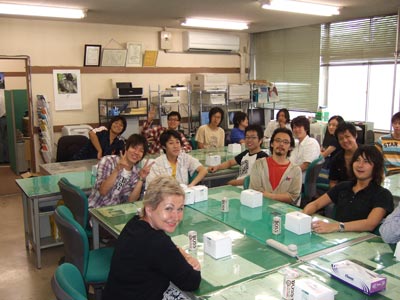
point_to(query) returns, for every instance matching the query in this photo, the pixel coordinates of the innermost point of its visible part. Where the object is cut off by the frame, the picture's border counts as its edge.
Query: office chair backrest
(67, 283)
(76, 243)
(310, 181)
(69, 145)
(75, 199)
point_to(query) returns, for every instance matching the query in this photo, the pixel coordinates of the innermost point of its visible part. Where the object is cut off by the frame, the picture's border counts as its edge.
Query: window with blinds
(359, 41)
(290, 58)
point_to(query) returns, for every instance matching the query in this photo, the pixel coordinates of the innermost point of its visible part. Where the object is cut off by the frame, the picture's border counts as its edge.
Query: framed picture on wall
(92, 55)
(113, 58)
(134, 56)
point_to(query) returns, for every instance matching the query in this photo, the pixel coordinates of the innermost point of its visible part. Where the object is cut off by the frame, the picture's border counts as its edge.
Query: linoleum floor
(19, 277)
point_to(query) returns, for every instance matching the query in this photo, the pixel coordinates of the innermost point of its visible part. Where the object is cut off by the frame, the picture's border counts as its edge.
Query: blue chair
(309, 191)
(67, 283)
(77, 202)
(94, 265)
(246, 182)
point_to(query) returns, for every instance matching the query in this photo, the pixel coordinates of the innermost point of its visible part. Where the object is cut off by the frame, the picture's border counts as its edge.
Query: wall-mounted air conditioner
(210, 41)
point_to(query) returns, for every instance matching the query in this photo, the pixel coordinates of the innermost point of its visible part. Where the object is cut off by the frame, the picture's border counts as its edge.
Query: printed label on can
(288, 287)
(225, 204)
(276, 225)
(192, 240)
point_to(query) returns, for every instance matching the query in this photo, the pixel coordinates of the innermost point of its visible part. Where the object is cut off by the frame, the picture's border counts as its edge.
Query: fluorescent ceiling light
(217, 24)
(301, 7)
(41, 11)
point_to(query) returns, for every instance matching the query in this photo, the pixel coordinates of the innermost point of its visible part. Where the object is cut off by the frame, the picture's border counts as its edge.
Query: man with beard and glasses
(276, 176)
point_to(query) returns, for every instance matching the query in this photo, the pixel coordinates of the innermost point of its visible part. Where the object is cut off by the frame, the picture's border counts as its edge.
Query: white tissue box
(308, 289)
(217, 244)
(213, 160)
(251, 198)
(234, 148)
(189, 196)
(359, 277)
(200, 193)
(298, 222)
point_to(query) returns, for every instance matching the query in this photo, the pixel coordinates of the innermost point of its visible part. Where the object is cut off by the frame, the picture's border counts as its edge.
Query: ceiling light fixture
(301, 7)
(41, 11)
(216, 24)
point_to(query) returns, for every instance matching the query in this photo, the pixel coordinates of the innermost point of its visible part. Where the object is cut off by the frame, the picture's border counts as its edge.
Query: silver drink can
(288, 286)
(192, 240)
(276, 225)
(225, 204)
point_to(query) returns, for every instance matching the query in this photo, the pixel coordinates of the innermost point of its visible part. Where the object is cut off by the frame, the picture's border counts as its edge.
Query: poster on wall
(67, 89)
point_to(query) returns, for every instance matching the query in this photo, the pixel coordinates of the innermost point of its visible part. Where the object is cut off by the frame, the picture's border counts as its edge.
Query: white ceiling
(167, 13)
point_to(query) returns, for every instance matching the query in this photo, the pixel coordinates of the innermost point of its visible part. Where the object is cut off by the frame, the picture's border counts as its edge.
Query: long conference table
(40, 194)
(254, 269)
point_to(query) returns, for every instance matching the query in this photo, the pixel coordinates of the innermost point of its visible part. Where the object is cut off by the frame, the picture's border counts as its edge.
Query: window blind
(359, 41)
(290, 58)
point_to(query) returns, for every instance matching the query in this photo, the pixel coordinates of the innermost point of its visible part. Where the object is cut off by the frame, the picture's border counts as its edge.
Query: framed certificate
(113, 58)
(92, 56)
(134, 56)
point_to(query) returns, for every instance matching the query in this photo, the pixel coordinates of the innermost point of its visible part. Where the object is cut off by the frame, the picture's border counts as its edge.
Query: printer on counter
(125, 89)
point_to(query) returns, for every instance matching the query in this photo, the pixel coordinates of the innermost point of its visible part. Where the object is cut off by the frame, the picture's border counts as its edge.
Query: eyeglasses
(173, 119)
(251, 137)
(279, 141)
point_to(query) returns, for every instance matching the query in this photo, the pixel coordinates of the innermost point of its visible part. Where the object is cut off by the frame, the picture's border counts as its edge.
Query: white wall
(61, 44)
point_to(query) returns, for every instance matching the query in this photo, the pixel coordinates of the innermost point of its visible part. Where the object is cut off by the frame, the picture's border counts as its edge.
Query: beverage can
(225, 204)
(289, 281)
(276, 225)
(192, 240)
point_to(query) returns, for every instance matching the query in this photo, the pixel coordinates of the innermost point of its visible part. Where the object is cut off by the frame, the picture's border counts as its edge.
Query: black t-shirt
(144, 262)
(338, 170)
(352, 206)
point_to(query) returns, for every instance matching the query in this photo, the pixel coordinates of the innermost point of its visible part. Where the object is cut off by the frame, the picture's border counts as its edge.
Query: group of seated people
(356, 173)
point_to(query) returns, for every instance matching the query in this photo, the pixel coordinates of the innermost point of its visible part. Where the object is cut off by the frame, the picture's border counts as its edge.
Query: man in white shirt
(308, 148)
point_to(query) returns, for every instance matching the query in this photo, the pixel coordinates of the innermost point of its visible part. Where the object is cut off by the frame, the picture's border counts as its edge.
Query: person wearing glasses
(276, 176)
(153, 133)
(246, 159)
(211, 135)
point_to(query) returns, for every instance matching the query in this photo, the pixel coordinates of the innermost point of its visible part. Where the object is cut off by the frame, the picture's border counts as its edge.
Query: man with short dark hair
(389, 145)
(276, 176)
(308, 148)
(152, 134)
(246, 159)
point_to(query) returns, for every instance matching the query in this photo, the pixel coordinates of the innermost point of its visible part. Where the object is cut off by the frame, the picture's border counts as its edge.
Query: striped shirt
(390, 147)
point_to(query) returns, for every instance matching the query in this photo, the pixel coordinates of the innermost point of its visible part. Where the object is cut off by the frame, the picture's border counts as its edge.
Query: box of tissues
(217, 244)
(200, 193)
(234, 148)
(251, 198)
(361, 278)
(298, 222)
(309, 289)
(189, 196)
(213, 160)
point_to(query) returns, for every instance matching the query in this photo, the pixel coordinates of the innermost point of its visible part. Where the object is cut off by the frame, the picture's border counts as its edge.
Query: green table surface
(47, 185)
(257, 222)
(270, 286)
(249, 257)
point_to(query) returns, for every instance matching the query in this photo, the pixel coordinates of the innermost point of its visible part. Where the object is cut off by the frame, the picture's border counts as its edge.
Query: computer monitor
(204, 119)
(231, 114)
(256, 116)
